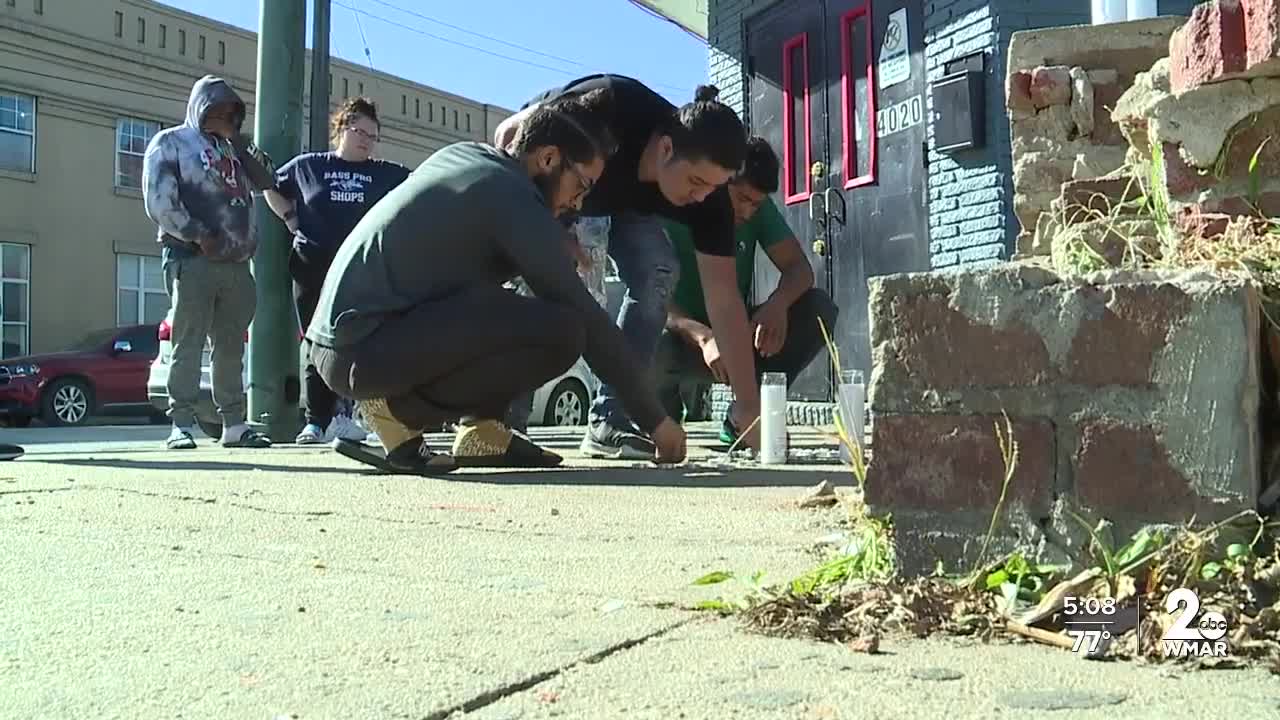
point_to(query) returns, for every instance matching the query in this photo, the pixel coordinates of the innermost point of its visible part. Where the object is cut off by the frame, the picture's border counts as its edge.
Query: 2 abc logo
(1189, 635)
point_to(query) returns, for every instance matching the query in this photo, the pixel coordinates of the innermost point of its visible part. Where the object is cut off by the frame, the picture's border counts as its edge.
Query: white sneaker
(346, 428)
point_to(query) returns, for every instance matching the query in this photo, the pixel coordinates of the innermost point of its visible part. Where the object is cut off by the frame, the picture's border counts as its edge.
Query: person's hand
(669, 442)
(711, 357)
(742, 418)
(770, 327)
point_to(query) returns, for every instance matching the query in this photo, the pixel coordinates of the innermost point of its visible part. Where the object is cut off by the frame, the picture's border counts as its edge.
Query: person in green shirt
(784, 327)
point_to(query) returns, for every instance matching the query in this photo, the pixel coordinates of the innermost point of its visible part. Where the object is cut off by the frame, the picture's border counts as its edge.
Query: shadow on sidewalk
(197, 465)
(676, 477)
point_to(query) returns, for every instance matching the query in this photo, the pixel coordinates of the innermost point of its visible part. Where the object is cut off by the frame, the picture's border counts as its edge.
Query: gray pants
(213, 301)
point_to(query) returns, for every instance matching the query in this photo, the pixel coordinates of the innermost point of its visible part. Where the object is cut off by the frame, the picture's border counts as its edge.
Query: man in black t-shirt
(672, 163)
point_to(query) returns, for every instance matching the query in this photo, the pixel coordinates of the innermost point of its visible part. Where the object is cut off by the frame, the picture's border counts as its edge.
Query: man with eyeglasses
(674, 164)
(415, 324)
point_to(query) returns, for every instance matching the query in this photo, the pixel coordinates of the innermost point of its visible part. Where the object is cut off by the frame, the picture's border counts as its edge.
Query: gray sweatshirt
(197, 186)
(469, 215)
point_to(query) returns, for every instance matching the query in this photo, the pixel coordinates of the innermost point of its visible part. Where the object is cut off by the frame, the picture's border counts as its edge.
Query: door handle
(827, 195)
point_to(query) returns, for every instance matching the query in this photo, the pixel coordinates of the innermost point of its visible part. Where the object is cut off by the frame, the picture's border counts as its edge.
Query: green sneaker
(728, 433)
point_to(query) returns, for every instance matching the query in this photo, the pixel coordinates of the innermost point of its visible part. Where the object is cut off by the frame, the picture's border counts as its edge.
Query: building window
(200, 49)
(15, 299)
(132, 137)
(795, 120)
(12, 3)
(431, 112)
(330, 83)
(119, 22)
(38, 6)
(417, 108)
(404, 104)
(360, 86)
(346, 89)
(163, 33)
(222, 53)
(182, 42)
(455, 119)
(858, 97)
(142, 31)
(140, 295)
(468, 122)
(17, 132)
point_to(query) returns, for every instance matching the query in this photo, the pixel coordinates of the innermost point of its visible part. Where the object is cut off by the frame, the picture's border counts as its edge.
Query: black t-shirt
(332, 195)
(637, 113)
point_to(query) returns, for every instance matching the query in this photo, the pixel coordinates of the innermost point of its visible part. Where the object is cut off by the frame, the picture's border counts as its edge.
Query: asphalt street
(290, 583)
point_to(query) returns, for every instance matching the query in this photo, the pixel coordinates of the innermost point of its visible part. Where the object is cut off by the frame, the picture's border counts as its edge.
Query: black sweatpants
(308, 277)
(678, 363)
(468, 355)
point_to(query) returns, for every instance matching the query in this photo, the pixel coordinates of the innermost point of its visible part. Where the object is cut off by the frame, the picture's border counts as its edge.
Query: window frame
(138, 270)
(32, 133)
(791, 195)
(25, 324)
(115, 182)
(849, 151)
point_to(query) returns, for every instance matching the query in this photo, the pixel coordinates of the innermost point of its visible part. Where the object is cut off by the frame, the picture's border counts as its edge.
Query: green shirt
(765, 229)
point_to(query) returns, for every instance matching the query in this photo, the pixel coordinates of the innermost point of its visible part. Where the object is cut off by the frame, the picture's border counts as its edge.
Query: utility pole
(319, 76)
(273, 336)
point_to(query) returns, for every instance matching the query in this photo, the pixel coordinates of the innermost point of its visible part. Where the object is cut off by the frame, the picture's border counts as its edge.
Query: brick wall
(725, 35)
(967, 199)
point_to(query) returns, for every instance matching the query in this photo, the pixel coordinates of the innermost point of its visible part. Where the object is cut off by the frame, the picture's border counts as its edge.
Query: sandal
(249, 439)
(181, 441)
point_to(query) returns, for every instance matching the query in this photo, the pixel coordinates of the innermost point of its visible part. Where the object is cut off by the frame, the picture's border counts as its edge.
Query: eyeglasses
(362, 133)
(583, 182)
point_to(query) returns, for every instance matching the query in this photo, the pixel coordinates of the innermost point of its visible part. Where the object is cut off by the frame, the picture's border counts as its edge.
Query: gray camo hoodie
(197, 186)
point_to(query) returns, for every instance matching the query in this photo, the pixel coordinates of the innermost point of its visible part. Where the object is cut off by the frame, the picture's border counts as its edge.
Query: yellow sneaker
(489, 443)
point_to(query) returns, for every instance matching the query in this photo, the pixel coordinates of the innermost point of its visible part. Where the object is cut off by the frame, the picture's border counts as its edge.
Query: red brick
(1084, 200)
(1209, 47)
(1262, 37)
(1181, 178)
(1018, 95)
(1265, 205)
(1124, 328)
(1201, 224)
(949, 463)
(1107, 90)
(1050, 86)
(1125, 468)
(939, 347)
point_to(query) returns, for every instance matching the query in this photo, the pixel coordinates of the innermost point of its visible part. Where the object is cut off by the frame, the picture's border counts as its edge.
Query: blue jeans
(648, 267)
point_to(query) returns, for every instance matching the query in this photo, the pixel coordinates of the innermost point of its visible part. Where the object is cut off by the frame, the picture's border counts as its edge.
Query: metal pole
(319, 76)
(273, 336)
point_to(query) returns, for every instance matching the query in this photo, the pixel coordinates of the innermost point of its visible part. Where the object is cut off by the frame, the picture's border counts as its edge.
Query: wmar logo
(1189, 636)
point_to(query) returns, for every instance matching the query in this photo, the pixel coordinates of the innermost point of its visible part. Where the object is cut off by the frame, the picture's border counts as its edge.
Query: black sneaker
(10, 452)
(605, 442)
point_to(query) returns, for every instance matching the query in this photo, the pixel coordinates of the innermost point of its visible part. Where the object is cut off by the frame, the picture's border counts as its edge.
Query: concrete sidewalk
(137, 582)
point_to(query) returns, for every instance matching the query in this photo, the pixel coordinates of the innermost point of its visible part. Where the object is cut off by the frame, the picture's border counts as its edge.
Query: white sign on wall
(894, 65)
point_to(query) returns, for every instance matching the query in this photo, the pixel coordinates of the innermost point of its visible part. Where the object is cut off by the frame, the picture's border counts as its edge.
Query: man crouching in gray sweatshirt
(413, 320)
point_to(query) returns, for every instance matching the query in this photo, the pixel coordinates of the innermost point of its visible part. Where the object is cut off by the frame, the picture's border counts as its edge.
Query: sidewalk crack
(492, 696)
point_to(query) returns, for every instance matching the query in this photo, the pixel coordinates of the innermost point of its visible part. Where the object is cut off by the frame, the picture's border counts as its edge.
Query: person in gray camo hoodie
(198, 181)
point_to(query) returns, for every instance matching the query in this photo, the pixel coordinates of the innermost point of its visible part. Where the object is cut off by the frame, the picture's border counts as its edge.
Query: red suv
(106, 370)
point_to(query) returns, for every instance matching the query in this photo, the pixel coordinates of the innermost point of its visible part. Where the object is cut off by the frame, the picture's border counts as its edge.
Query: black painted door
(786, 66)
(860, 207)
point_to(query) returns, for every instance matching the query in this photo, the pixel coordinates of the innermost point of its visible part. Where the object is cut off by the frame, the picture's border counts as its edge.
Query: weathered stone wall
(1132, 397)
(1061, 87)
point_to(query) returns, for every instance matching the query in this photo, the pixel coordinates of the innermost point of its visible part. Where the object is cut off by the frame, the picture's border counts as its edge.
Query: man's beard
(547, 184)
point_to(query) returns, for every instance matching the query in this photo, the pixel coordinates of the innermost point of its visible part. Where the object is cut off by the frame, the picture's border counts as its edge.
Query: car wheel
(66, 402)
(210, 428)
(567, 405)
